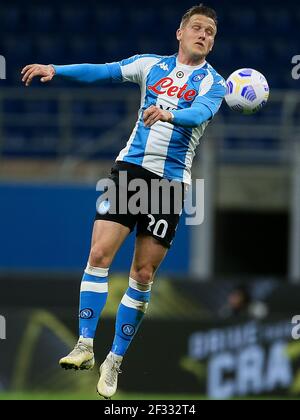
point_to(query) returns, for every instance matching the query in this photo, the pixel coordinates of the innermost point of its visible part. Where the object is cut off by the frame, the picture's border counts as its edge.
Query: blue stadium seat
(108, 23)
(276, 20)
(75, 19)
(14, 106)
(252, 53)
(11, 18)
(25, 142)
(42, 18)
(82, 50)
(224, 50)
(41, 107)
(49, 49)
(244, 19)
(64, 32)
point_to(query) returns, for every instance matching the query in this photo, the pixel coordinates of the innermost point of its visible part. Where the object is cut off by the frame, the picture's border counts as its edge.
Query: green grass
(119, 396)
(72, 397)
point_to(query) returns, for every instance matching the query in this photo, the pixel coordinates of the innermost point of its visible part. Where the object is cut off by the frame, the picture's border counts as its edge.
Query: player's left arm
(203, 109)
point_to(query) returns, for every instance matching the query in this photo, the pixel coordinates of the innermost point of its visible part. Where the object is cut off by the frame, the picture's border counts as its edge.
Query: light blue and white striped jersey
(166, 149)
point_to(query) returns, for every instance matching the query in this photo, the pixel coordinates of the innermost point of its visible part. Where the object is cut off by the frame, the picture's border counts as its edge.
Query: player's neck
(182, 58)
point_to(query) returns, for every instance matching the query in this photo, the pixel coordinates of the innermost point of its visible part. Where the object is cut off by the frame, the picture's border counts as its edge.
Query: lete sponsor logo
(166, 86)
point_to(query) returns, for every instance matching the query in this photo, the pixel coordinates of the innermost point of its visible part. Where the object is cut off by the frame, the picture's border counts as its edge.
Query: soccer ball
(247, 91)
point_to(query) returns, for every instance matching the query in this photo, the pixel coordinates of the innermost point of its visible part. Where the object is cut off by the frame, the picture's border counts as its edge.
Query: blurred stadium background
(219, 325)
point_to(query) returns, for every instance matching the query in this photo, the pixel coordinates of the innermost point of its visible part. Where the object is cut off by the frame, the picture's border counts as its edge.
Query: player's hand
(37, 70)
(154, 114)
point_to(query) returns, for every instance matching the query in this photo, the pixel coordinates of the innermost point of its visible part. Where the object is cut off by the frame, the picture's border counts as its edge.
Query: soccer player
(180, 94)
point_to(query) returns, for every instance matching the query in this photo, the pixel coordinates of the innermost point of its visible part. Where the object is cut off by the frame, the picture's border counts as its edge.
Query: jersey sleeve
(192, 117)
(132, 69)
(212, 93)
(85, 73)
(206, 104)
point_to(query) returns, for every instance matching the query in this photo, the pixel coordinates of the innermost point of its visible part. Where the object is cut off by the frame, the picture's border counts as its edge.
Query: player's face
(197, 36)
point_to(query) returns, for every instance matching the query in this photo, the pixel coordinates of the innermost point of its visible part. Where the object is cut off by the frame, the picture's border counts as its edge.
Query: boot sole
(89, 365)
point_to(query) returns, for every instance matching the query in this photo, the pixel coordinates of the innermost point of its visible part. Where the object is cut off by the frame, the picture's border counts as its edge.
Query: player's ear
(179, 34)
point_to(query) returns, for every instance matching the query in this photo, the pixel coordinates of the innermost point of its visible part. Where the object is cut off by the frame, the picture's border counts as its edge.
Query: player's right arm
(37, 70)
(128, 70)
(86, 73)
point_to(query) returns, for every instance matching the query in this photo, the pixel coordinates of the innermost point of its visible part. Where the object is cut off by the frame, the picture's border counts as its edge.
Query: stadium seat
(42, 18)
(62, 32)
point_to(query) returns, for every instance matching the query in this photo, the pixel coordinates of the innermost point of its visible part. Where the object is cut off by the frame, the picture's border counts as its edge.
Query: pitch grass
(86, 397)
(119, 397)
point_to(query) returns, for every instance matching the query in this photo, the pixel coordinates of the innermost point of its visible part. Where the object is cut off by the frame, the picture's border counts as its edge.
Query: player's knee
(143, 274)
(99, 257)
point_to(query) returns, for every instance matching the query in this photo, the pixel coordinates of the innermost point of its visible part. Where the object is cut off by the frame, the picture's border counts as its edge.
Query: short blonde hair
(199, 10)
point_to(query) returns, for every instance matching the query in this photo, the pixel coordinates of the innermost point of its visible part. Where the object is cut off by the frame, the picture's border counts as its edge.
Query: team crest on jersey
(104, 207)
(198, 77)
(163, 66)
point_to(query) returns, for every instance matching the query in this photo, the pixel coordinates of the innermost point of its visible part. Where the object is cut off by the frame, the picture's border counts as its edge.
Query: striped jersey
(165, 149)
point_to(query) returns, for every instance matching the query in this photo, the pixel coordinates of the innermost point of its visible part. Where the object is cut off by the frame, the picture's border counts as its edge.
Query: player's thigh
(164, 213)
(106, 240)
(148, 255)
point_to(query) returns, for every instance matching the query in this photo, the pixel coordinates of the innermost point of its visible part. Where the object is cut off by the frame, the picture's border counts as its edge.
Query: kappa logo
(163, 66)
(223, 83)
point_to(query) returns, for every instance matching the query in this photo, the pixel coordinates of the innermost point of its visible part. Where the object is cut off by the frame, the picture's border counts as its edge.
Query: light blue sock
(130, 315)
(93, 296)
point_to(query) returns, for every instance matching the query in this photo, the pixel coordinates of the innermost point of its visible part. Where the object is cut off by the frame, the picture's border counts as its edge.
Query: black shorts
(154, 210)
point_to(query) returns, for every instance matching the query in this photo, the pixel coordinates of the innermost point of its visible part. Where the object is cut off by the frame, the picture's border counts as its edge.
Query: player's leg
(107, 238)
(149, 254)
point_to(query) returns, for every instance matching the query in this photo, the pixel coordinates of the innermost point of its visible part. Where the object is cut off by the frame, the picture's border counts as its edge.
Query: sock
(130, 315)
(93, 296)
(115, 357)
(87, 341)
